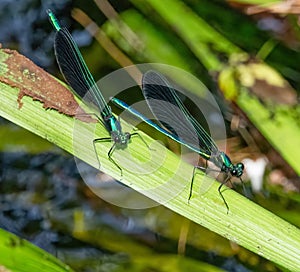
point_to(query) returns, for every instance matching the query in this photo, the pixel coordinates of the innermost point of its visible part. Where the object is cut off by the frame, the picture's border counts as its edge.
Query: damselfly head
(237, 170)
(121, 139)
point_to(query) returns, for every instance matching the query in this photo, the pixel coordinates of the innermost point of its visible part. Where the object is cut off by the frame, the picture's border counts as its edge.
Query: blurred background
(226, 44)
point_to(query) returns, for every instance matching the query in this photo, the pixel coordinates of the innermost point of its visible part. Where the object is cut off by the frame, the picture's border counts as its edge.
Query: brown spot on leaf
(33, 81)
(283, 95)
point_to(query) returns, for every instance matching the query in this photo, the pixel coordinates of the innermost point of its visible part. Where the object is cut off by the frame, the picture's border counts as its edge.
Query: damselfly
(181, 126)
(78, 76)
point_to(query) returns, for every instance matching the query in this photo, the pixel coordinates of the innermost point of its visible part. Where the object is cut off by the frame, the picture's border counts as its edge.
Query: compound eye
(240, 166)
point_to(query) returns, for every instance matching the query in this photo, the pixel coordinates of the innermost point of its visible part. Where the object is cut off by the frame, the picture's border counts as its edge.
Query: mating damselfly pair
(155, 87)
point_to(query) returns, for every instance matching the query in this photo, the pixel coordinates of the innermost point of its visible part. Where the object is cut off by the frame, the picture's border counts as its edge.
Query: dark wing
(167, 107)
(76, 72)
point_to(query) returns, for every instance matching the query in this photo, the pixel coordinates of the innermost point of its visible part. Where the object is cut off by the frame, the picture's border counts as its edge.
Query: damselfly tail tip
(53, 19)
(49, 12)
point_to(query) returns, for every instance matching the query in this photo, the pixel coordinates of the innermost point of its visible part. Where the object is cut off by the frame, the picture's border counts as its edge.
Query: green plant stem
(19, 255)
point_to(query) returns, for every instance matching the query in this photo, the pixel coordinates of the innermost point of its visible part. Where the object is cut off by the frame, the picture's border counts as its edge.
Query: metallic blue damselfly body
(178, 124)
(78, 76)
